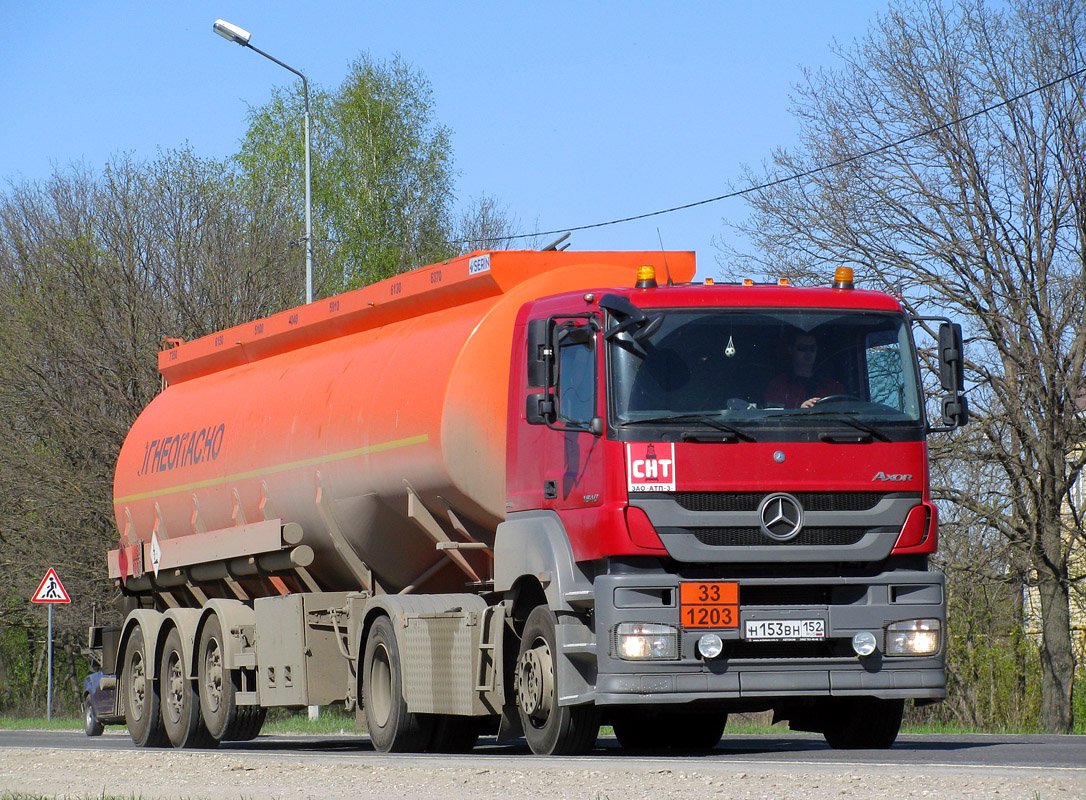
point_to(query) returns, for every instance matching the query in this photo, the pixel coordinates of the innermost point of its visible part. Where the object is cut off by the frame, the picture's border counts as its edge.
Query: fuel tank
(365, 419)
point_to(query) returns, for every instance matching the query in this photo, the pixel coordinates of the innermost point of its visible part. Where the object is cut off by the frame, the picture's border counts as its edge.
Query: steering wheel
(837, 398)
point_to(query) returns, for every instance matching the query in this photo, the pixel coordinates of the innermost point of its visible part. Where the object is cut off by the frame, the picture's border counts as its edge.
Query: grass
(38, 724)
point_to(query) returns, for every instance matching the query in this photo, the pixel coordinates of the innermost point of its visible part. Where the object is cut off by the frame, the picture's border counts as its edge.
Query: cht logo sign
(650, 466)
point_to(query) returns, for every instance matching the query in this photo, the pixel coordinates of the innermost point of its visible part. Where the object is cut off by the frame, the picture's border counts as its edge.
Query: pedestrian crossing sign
(51, 590)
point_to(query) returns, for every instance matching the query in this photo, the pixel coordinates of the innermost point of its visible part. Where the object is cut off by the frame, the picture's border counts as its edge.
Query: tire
(91, 725)
(862, 723)
(550, 728)
(217, 689)
(672, 731)
(392, 728)
(179, 699)
(141, 701)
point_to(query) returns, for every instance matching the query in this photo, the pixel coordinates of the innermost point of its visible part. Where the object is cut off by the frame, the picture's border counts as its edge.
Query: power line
(759, 187)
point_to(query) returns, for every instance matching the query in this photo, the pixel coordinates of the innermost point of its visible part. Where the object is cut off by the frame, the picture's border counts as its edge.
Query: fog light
(864, 643)
(644, 641)
(913, 637)
(710, 646)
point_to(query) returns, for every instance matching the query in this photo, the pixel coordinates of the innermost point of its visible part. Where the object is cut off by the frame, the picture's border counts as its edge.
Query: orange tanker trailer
(454, 500)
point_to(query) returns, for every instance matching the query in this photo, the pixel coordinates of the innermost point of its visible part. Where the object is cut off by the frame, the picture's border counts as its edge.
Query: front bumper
(749, 670)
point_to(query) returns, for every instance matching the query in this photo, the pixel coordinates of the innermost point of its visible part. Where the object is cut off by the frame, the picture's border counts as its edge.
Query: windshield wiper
(847, 417)
(711, 420)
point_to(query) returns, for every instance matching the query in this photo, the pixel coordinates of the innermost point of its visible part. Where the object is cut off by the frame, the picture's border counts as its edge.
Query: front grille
(754, 537)
(749, 501)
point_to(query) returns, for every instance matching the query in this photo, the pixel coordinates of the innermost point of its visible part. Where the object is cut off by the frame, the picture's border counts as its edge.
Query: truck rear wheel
(551, 729)
(217, 690)
(668, 730)
(862, 723)
(180, 700)
(141, 700)
(392, 728)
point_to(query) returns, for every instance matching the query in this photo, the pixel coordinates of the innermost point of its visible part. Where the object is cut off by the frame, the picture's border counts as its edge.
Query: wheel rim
(175, 688)
(379, 697)
(136, 684)
(535, 683)
(213, 677)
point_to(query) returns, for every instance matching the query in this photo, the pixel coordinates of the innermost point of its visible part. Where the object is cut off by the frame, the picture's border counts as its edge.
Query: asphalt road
(983, 754)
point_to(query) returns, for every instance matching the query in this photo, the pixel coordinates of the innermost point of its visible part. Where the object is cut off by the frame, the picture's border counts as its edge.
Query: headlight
(913, 637)
(644, 641)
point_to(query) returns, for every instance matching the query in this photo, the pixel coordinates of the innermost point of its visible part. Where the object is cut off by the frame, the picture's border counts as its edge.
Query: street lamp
(241, 36)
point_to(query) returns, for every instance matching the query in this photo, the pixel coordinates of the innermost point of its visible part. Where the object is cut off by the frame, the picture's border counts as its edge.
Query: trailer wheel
(862, 723)
(91, 725)
(392, 728)
(141, 700)
(218, 686)
(668, 730)
(180, 700)
(551, 729)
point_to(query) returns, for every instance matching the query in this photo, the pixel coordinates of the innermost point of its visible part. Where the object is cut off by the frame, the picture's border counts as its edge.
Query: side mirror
(955, 410)
(951, 368)
(539, 352)
(951, 357)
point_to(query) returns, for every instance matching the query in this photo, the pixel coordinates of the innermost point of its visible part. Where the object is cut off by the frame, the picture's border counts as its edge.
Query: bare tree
(95, 269)
(984, 218)
(485, 225)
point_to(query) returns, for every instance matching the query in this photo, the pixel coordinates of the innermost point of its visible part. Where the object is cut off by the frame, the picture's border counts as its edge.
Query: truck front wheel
(551, 729)
(862, 723)
(392, 728)
(141, 701)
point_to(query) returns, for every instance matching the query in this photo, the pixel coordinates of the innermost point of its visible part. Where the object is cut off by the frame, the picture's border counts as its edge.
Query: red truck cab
(731, 550)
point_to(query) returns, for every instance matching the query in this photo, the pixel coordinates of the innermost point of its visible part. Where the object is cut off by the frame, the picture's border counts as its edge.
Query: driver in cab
(799, 386)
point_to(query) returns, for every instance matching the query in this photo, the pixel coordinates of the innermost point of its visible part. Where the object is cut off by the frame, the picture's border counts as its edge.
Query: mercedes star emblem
(782, 517)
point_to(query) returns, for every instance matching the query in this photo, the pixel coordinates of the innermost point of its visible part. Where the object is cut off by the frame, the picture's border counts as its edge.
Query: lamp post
(241, 36)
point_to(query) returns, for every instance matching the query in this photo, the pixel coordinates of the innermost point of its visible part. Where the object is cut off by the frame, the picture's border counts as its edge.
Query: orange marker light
(842, 278)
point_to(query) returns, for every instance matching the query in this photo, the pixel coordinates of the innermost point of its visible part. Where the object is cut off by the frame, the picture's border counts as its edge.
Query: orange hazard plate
(711, 604)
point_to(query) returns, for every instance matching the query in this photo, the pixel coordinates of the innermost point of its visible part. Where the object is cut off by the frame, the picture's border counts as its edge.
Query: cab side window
(577, 382)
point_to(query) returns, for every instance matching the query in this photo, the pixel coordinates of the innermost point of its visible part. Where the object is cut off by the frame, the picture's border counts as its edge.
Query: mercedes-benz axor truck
(525, 494)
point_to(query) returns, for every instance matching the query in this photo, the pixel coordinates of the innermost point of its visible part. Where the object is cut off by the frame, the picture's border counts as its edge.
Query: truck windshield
(788, 366)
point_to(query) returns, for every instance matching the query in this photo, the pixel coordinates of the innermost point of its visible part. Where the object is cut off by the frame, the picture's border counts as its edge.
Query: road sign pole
(50, 591)
(49, 691)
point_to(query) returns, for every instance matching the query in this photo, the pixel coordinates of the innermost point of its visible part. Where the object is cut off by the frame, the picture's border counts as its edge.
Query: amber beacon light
(842, 278)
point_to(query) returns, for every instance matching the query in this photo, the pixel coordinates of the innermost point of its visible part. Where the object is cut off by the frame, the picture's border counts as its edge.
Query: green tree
(985, 219)
(382, 172)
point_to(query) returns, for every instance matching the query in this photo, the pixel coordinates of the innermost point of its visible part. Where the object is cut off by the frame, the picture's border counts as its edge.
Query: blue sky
(569, 113)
